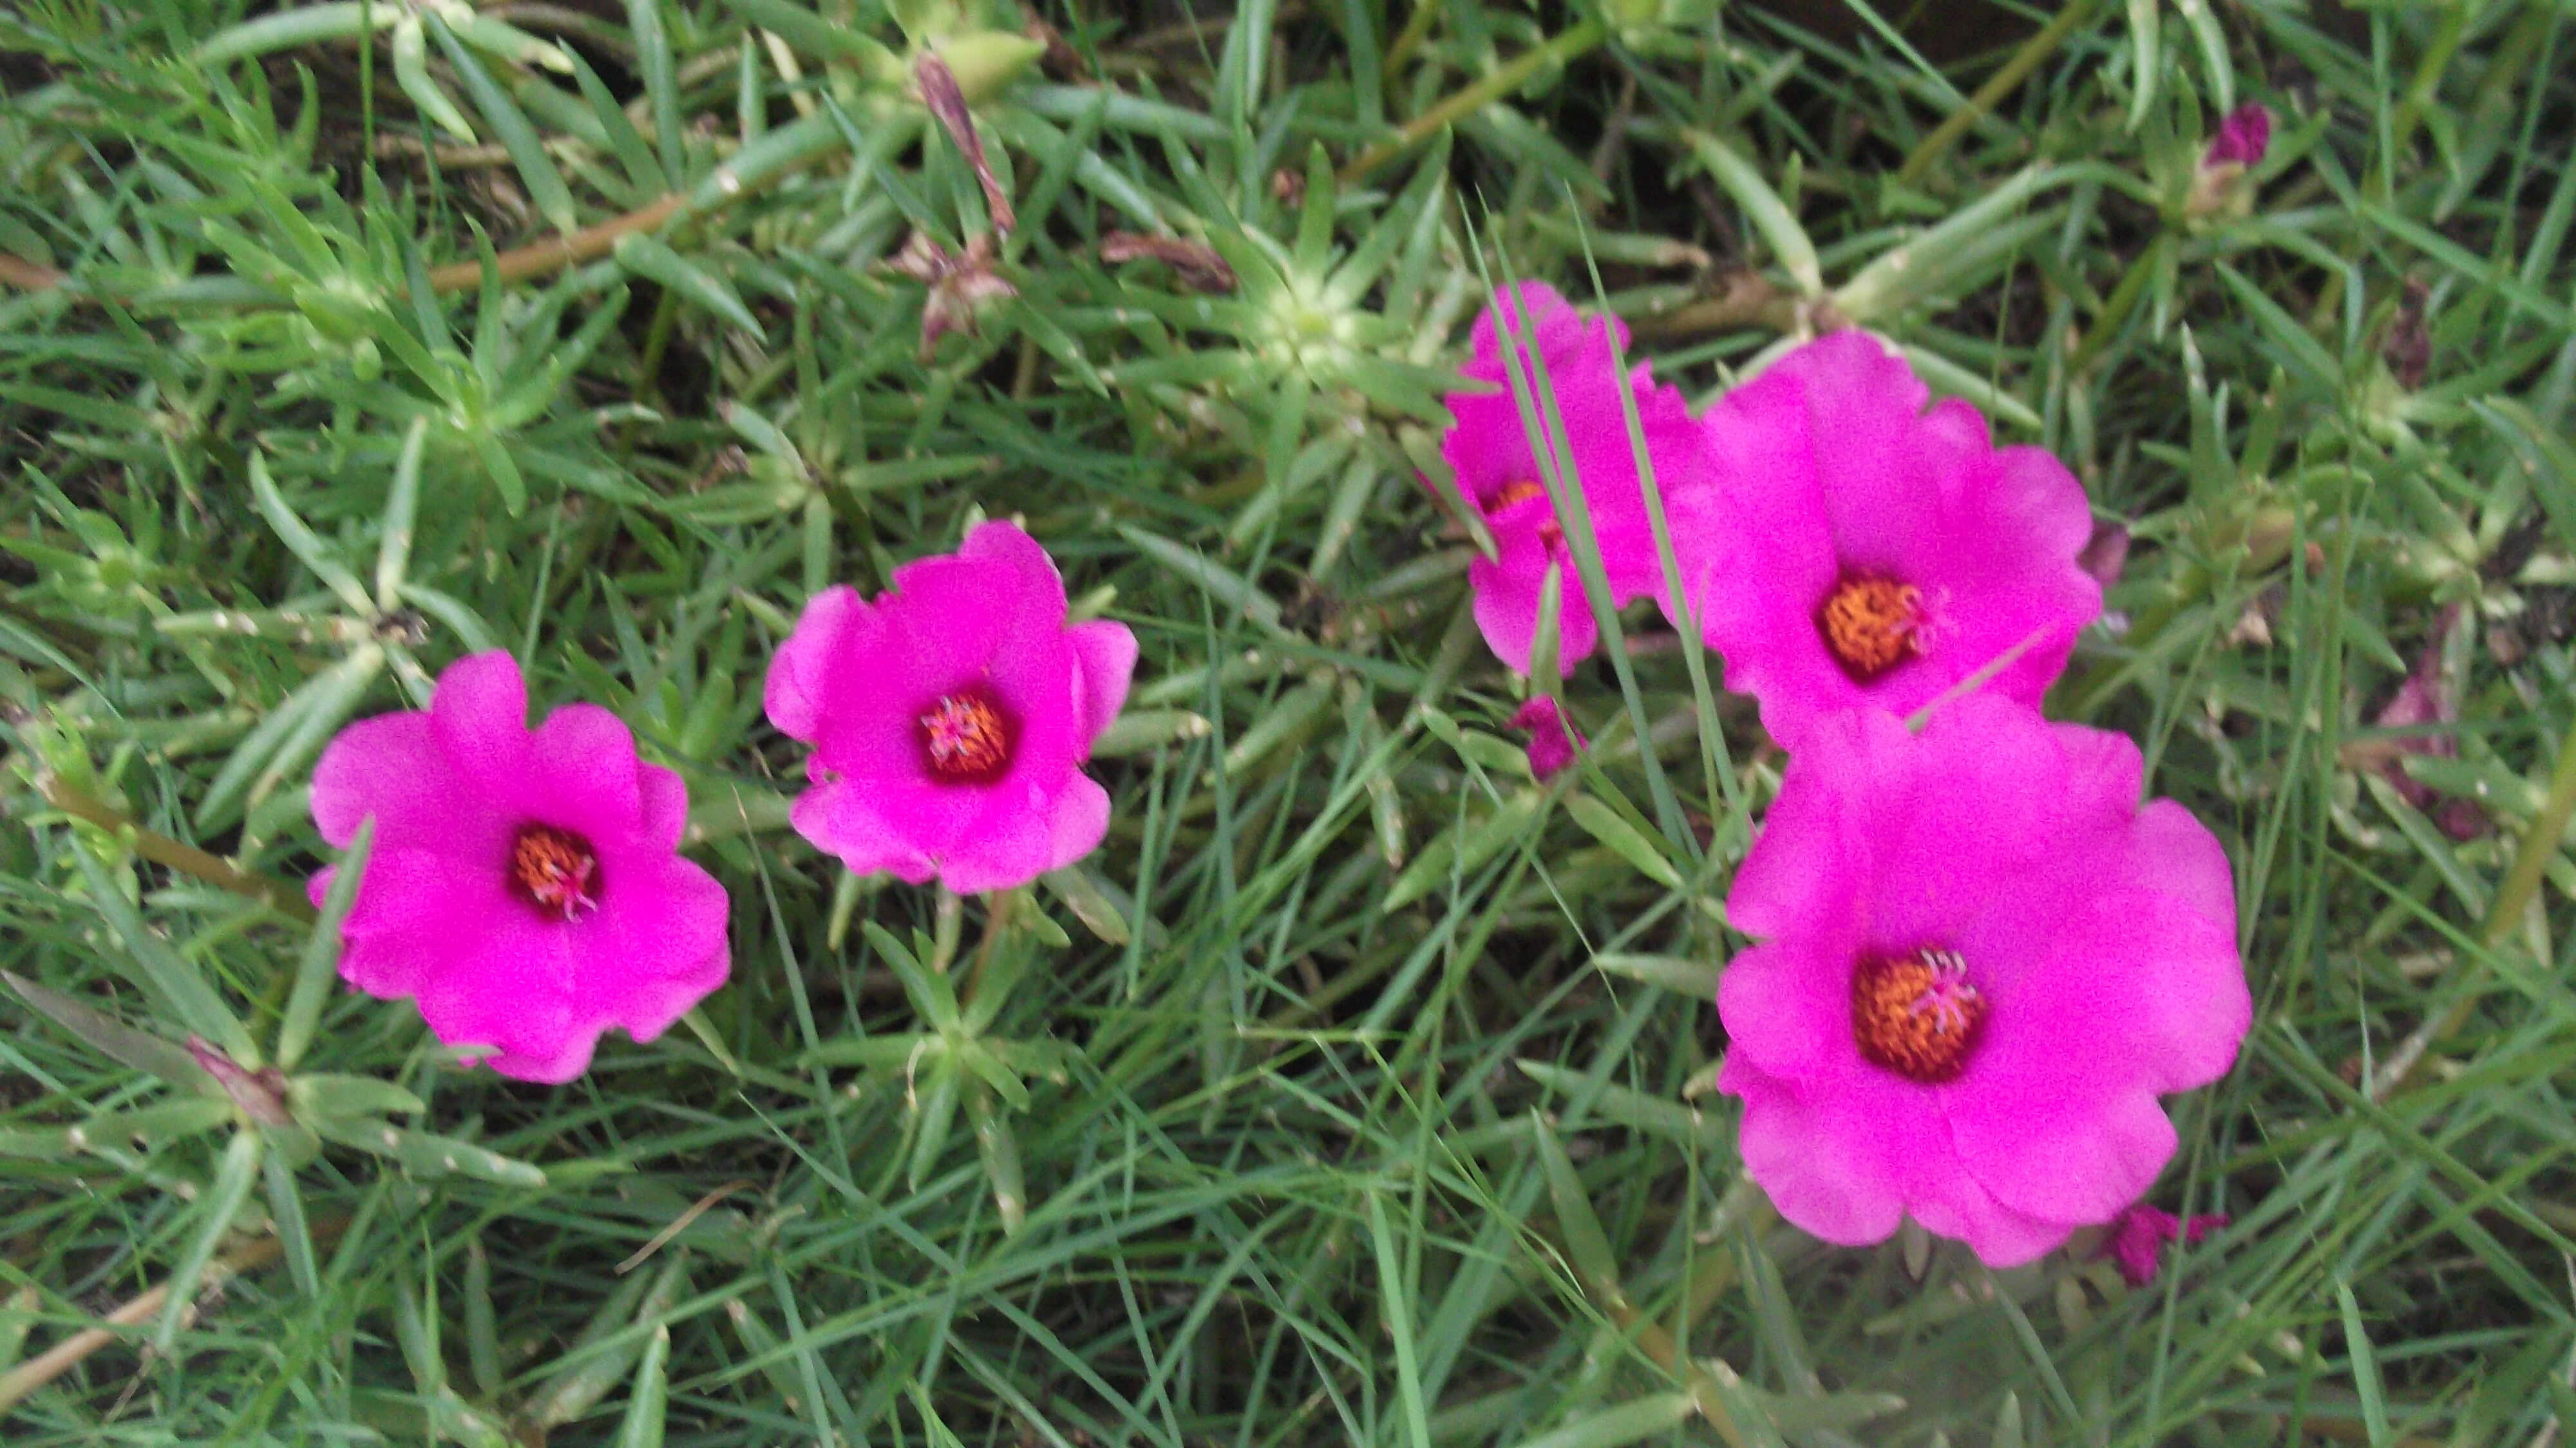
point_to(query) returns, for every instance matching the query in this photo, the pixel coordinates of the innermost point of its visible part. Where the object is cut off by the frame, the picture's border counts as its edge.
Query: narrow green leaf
(1763, 207)
(301, 541)
(411, 72)
(643, 1423)
(1693, 978)
(1587, 1247)
(649, 258)
(121, 1043)
(511, 126)
(1624, 839)
(2366, 1383)
(1614, 1427)
(318, 966)
(216, 1211)
(170, 978)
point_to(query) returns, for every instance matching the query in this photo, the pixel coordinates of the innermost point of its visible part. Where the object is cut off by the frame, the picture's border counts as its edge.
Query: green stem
(1999, 85)
(160, 849)
(2123, 300)
(1574, 42)
(2539, 843)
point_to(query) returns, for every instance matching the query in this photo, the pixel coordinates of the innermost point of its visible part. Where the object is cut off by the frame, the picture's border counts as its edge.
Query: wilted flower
(1860, 551)
(2217, 183)
(1488, 449)
(524, 885)
(951, 717)
(2137, 1239)
(1554, 743)
(2425, 697)
(1195, 263)
(961, 284)
(1981, 963)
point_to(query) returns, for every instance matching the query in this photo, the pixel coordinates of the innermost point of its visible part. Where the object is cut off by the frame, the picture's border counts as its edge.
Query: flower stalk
(162, 850)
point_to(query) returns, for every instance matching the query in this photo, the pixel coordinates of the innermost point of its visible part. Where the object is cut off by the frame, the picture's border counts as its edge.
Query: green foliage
(1359, 1089)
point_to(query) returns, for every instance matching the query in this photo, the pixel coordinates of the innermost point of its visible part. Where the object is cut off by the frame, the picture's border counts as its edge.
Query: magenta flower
(2218, 183)
(2138, 1237)
(1860, 551)
(1554, 743)
(1488, 448)
(950, 718)
(524, 885)
(1981, 963)
(2241, 140)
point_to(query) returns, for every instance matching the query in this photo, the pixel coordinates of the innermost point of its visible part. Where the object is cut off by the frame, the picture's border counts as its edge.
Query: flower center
(555, 870)
(1512, 494)
(1871, 623)
(1916, 1015)
(967, 737)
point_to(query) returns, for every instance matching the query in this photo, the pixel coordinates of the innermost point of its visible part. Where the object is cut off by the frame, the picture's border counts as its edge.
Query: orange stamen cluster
(555, 870)
(967, 738)
(1512, 494)
(1871, 624)
(1916, 1015)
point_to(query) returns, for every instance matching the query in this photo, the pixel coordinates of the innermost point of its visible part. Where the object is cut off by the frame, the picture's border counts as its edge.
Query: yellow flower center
(555, 870)
(967, 738)
(1871, 624)
(1916, 1015)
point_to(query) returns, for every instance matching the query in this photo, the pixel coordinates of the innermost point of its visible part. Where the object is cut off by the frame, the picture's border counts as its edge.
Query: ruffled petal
(512, 989)
(583, 773)
(663, 800)
(803, 685)
(1104, 656)
(654, 952)
(838, 818)
(479, 714)
(391, 767)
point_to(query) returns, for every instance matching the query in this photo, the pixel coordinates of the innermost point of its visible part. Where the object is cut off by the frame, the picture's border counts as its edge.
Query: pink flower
(1554, 743)
(1860, 551)
(2138, 1237)
(1498, 475)
(1982, 962)
(2218, 184)
(950, 718)
(2241, 140)
(524, 884)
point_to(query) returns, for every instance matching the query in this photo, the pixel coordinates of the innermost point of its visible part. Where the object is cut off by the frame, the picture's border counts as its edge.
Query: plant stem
(160, 849)
(1999, 85)
(27, 275)
(2123, 300)
(2504, 916)
(24, 1379)
(1565, 47)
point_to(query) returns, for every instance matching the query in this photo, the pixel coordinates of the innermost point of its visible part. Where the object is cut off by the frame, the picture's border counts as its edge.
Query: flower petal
(391, 767)
(1104, 656)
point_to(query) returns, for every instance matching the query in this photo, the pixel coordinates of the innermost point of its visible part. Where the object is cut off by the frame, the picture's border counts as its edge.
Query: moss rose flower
(1982, 962)
(1488, 450)
(951, 717)
(1859, 550)
(524, 884)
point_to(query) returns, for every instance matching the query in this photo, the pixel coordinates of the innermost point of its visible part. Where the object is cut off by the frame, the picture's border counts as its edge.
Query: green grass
(1354, 1099)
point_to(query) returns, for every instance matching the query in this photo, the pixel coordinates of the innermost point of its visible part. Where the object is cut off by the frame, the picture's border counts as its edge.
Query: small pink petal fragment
(1554, 742)
(2138, 1238)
